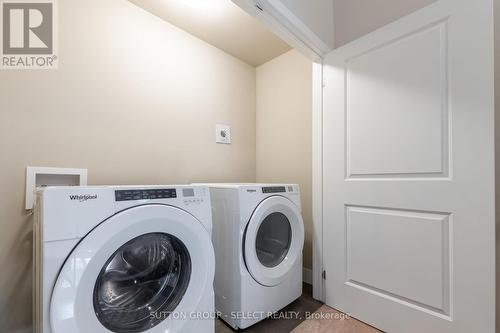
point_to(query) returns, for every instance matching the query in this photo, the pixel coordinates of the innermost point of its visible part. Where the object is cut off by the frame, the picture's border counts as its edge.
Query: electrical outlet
(222, 134)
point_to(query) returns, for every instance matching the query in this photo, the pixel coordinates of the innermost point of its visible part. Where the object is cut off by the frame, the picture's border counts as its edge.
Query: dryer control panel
(146, 194)
(274, 189)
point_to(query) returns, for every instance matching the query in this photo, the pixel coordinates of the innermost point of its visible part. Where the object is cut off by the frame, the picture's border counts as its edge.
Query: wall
(284, 129)
(135, 101)
(355, 18)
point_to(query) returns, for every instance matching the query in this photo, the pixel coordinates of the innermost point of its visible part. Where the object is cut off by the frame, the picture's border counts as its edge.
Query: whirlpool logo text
(83, 198)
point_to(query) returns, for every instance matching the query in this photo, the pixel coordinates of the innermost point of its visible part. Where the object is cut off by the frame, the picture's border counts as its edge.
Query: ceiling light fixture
(202, 4)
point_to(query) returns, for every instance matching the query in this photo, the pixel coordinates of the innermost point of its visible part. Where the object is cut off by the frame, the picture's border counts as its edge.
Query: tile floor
(325, 319)
(328, 320)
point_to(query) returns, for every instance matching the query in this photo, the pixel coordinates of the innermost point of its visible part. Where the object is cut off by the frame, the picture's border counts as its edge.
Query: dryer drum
(142, 283)
(273, 239)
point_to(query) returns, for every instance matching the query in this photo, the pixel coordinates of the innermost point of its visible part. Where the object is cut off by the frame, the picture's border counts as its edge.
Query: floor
(328, 320)
(307, 316)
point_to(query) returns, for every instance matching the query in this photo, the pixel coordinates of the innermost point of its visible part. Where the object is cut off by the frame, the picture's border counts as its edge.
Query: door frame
(317, 182)
(289, 28)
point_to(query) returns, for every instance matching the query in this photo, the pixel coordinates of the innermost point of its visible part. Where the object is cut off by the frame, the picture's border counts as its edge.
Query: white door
(409, 236)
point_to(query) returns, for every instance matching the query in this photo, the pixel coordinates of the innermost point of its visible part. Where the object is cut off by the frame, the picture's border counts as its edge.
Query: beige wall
(135, 101)
(284, 129)
(355, 18)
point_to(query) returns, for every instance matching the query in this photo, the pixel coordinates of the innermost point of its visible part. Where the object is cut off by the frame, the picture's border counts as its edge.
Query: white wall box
(43, 176)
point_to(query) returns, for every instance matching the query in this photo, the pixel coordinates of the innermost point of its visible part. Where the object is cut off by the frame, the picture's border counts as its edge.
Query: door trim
(284, 30)
(317, 182)
(286, 26)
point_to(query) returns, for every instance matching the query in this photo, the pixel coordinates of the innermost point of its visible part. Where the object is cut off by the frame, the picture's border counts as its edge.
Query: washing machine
(258, 237)
(123, 259)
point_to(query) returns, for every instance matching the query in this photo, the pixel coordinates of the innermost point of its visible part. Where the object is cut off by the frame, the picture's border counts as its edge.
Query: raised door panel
(397, 107)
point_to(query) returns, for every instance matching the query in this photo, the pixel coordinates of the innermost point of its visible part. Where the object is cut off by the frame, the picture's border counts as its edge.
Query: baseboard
(307, 275)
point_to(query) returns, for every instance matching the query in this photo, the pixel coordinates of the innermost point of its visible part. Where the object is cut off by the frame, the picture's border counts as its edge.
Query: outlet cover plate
(222, 134)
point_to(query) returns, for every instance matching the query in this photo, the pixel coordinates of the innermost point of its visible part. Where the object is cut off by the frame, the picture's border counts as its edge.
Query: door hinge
(323, 84)
(323, 275)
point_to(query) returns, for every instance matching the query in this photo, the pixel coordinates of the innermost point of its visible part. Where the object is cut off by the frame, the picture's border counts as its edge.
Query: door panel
(397, 107)
(408, 172)
(385, 255)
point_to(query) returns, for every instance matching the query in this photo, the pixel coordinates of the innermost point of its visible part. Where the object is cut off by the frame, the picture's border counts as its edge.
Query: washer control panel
(190, 198)
(146, 194)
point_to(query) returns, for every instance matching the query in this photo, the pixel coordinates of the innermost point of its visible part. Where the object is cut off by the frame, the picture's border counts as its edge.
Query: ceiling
(222, 24)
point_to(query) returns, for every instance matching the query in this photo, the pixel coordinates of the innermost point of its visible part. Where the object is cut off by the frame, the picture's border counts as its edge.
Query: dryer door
(143, 270)
(274, 240)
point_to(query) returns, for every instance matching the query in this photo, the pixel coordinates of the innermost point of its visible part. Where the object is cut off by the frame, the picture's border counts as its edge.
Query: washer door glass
(273, 239)
(142, 282)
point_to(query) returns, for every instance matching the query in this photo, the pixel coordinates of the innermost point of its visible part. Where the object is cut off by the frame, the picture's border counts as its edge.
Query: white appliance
(123, 259)
(258, 236)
